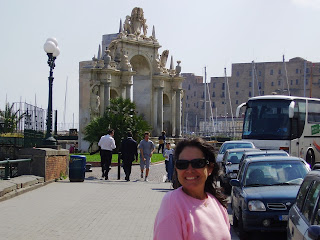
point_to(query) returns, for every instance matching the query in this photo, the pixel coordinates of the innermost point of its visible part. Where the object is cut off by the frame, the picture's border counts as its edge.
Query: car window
(227, 146)
(234, 157)
(311, 201)
(275, 172)
(317, 215)
(302, 193)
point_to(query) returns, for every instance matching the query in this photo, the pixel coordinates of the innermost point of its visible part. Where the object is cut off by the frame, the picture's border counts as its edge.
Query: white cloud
(308, 3)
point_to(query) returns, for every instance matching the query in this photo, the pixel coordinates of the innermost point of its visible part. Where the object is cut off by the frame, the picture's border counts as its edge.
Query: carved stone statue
(95, 101)
(137, 20)
(126, 25)
(164, 58)
(144, 27)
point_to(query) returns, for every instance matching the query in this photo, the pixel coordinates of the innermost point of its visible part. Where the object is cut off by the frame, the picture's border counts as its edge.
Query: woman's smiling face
(192, 179)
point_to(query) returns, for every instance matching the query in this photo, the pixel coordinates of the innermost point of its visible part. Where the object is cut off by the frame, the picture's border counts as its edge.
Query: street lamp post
(52, 50)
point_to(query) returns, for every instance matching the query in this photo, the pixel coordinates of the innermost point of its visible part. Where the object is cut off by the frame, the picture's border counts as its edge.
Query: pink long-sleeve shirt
(183, 217)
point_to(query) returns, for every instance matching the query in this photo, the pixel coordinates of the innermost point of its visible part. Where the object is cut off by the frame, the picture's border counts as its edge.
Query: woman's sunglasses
(195, 163)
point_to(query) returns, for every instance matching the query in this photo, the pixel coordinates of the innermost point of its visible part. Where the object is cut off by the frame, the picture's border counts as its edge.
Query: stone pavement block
(6, 187)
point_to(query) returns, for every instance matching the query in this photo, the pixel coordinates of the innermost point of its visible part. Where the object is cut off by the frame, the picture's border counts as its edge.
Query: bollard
(119, 164)
(7, 170)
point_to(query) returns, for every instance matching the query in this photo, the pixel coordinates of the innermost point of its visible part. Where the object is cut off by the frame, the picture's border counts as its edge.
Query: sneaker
(103, 175)
(146, 179)
(142, 175)
(106, 178)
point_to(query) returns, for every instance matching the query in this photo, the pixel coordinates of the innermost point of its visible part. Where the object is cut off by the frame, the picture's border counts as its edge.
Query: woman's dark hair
(208, 152)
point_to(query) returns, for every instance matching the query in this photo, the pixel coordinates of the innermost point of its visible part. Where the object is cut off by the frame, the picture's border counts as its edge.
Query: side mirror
(314, 232)
(235, 183)
(239, 108)
(291, 109)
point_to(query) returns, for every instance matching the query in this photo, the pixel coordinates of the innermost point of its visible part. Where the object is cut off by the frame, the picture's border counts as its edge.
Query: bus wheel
(310, 157)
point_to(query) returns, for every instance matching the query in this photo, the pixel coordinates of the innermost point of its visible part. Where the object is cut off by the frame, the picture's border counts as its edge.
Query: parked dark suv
(304, 216)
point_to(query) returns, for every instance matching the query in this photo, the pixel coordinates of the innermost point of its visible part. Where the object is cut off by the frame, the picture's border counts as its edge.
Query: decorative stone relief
(95, 101)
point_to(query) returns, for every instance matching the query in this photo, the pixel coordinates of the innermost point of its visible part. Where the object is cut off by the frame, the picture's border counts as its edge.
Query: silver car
(230, 145)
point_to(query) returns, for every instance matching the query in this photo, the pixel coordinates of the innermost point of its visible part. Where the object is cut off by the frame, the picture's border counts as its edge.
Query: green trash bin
(77, 168)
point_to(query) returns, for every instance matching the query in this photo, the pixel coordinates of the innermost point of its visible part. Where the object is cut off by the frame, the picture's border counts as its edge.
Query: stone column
(129, 92)
(178, 113)
(155, 112)
(106, 95)
(173, 111)
(160, 110)
(102, 99)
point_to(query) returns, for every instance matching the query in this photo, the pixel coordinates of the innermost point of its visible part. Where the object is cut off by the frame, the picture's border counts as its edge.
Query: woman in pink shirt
(197, 209)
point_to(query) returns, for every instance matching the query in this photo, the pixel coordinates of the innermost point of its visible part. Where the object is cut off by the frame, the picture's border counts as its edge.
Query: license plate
(283, 217)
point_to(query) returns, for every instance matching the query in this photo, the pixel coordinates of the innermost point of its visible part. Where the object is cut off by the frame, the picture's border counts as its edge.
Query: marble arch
(132, 67)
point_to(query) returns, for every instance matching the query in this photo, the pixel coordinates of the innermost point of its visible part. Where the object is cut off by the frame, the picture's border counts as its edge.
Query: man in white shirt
(107, 144)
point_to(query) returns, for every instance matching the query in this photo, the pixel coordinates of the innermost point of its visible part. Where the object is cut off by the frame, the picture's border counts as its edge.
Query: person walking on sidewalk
(197, 209)
(107, 144)
(146, 147)
(168, 157)
(129, 153)
(162, 141)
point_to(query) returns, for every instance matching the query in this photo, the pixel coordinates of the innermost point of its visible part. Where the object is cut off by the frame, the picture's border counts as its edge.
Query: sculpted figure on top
(134, 23)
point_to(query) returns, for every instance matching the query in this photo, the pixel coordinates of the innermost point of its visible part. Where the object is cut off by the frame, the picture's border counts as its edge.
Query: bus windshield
(267, 119)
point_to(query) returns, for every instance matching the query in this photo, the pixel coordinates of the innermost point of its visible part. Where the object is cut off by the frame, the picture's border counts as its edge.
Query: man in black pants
(107, 144)
(129, 152)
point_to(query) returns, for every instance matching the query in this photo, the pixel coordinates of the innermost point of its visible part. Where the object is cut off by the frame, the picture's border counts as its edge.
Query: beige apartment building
(246, 80)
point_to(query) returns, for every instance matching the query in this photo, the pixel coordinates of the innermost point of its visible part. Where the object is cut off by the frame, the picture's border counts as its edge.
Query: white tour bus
(284, 122)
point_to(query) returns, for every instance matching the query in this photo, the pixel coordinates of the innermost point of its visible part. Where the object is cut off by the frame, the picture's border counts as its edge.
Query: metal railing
(8, 166)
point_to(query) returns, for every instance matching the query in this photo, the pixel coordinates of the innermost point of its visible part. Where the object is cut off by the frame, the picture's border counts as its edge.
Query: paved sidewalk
(93, 209)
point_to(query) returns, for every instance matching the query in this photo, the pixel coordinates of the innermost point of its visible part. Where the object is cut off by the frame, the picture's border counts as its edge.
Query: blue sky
(199, 33)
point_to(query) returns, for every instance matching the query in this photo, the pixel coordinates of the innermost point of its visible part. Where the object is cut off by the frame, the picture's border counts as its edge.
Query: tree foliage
(121, 117)
(10, 119)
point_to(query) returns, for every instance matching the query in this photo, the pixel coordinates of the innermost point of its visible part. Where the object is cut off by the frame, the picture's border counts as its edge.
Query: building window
(238, 92)
(249, 94)
(202, 95)
(250, 73)
(222, 94)
(279, 71)
(279, 83)
(271, 72)
(222, 103)
(319, 82)
(197, 104)
(214, 85)
(202, 106)
(297, 81)
(307, 70)
(188, 105)
(222, 86)
(213, 105)
(259, 73)
(238, 74)
(187, 97)
(237, 102)
(189, 87)
(250, 84)
(297, 71)
(213, 94)
(307, 81)
(272, 84)
(237, 84)
(260, 84)
(291, 82)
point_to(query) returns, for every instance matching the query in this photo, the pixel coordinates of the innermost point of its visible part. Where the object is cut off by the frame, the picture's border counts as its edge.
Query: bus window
(298, 120)
(313, 112)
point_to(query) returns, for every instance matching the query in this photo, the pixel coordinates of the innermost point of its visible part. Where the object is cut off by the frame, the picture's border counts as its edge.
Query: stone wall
(46, 162)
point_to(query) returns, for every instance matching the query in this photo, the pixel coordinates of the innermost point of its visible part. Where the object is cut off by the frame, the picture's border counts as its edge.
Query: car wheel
(243, 235)
(234, 219)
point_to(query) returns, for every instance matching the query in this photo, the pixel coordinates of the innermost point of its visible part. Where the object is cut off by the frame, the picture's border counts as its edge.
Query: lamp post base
(50, 141)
